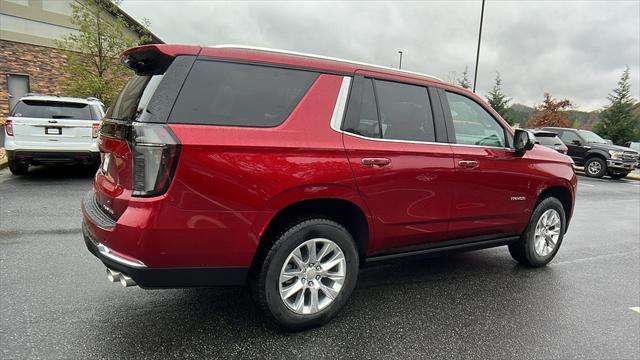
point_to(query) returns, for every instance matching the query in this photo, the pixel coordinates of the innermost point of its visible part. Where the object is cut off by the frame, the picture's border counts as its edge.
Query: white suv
(52, 130)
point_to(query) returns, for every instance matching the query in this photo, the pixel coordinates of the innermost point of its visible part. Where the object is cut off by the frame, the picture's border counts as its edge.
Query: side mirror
(576, 142)
(523, 141)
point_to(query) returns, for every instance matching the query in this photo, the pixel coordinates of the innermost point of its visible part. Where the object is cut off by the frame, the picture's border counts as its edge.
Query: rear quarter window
(232, 94)
(54, 110)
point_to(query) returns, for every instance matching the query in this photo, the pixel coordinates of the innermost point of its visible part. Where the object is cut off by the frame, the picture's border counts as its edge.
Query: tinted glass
(134, 97)
(220, 93)
(568, 137)
(405, 112)
(473, 125)
(367, 123)
(54, 110)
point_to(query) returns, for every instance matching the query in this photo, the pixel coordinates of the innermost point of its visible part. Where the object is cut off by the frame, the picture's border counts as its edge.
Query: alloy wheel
(547, 232)
(312, 276)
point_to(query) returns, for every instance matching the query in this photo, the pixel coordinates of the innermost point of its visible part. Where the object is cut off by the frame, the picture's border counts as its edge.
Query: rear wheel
(541, 241)
(618, 176)
(18, 168)
(595, 167)
(308, 274)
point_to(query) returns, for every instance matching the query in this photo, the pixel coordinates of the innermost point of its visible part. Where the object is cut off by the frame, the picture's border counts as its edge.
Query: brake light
(95, 130)
(8, 127)
(155, 156)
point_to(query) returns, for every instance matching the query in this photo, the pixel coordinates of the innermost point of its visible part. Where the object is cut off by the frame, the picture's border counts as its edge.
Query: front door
(490, 194)
(401, 171)
(575, 145)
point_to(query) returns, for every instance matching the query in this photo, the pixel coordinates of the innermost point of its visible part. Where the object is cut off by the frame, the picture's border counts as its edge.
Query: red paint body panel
(231, 181)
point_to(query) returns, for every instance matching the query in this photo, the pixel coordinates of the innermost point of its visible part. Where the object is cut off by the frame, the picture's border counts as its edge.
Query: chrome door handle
(468, 163)
(375, 162)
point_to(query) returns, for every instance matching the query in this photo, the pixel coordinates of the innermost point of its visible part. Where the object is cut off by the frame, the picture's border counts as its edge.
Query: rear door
(490, 187)
(400, 168)
(575, 144)
(53, 124)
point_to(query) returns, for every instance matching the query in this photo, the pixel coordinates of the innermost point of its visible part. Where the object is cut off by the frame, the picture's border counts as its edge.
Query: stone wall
(43, 65)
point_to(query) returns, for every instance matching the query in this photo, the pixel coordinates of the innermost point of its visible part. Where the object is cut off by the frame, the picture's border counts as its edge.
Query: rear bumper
(144, 276)
(53, 157)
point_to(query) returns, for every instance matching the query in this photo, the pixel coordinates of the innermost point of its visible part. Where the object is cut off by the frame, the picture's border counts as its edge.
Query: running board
(448, 246)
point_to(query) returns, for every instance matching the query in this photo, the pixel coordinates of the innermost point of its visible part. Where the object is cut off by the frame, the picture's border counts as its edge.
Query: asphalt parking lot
(55, 301)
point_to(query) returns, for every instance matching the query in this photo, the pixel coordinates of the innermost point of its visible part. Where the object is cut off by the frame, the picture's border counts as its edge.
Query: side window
(222, 93)
(405, 112)
(473, 125)
(367, 124)
(568, 137)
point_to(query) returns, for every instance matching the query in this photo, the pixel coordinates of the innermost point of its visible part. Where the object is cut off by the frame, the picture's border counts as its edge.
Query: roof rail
(91, 98)
(31, 94)
(287, 52)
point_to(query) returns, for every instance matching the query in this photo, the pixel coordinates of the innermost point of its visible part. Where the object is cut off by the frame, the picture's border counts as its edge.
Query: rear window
(222, 93)
(55, 110)
(134, 97)
(548, 140)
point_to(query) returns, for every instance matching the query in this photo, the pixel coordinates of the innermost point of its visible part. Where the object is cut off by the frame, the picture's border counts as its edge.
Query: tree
(618, 121)
(93, 54)
(499, 101)
(550, 113)
(464, 80)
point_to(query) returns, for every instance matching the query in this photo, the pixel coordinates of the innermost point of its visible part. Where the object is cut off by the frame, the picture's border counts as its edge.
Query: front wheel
(308, 274)
(595, 167)
(541, 241)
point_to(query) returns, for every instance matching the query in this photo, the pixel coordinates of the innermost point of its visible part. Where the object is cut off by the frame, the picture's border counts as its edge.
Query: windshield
(54, 110)
(591, 137)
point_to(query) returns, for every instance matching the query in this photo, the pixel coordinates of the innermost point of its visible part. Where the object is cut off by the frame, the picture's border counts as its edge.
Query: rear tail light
(95, 130)
(155, 156)
(8, 127)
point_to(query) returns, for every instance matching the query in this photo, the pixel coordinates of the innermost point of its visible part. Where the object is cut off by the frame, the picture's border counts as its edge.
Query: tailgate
(38, 132)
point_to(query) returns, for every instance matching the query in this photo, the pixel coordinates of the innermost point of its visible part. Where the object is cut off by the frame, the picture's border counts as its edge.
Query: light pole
(475, 75)
(400, 52)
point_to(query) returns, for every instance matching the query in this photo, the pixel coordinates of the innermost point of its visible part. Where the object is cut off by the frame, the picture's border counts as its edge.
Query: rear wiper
(61, 116)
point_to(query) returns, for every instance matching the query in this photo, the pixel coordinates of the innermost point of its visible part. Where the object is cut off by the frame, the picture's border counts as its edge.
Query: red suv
(288, 172)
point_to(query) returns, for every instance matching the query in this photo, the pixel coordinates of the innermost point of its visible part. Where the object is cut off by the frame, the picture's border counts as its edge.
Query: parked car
(52, 130)
(229, 165)
(598, 158)
(635, 145)
(551, 140)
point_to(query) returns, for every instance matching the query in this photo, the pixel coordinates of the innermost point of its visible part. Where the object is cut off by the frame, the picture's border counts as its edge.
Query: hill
(579, 119)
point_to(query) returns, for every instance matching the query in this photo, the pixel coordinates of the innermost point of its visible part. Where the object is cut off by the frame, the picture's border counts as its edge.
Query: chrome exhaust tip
(113, 276)
(126, 281)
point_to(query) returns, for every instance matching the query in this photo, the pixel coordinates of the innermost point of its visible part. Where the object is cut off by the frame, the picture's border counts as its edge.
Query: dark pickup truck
(598, 158)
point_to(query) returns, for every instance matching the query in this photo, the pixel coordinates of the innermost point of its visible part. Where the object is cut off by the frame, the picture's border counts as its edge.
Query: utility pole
(400, 52)
(475, 75)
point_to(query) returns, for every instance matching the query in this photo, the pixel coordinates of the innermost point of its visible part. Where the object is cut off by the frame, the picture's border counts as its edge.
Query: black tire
(618, 176)
(18, 168)
(524, 251)
(265, 286)
(590, 171)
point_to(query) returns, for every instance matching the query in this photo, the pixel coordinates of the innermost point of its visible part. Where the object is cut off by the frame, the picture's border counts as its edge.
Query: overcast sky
(572, 49)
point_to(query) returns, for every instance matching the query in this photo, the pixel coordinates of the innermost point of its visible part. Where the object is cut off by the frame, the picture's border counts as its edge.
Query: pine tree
(550, 113)
(499, 101)
(464, 80)
(618, 121)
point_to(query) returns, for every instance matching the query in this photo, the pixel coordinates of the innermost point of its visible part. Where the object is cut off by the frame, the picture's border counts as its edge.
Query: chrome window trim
(341, 104)
(339, 110)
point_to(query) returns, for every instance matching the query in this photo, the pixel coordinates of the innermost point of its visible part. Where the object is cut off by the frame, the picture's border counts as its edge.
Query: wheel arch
(563, 194)
(345, 212)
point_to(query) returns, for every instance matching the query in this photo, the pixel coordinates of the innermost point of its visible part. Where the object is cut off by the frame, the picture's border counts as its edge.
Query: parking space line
(635, 308)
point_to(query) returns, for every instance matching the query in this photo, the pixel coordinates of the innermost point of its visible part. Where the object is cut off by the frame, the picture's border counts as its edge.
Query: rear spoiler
(154, 59)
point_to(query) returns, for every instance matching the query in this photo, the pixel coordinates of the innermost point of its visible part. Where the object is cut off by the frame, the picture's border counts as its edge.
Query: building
(29, 58)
